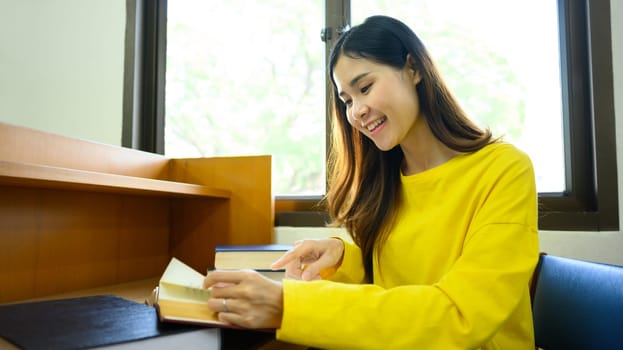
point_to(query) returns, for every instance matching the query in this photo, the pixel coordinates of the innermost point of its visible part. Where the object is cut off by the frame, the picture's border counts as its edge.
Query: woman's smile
(376, 126)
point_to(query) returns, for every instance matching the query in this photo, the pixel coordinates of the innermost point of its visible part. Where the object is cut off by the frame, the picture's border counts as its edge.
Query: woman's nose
(359, 111)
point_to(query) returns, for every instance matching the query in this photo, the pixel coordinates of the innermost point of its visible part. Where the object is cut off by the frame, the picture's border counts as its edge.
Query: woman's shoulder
(504, 159)
(501, 156)
(501, 150)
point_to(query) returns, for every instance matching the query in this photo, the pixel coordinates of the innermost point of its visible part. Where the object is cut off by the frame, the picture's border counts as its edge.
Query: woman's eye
(365, 88)
(348, 103)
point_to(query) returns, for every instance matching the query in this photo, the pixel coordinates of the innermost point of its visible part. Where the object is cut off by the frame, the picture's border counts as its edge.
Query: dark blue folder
(80, 323)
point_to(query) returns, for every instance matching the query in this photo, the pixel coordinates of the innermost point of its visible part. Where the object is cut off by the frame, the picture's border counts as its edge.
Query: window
(490, 64)
(579, 67)
(250, 86)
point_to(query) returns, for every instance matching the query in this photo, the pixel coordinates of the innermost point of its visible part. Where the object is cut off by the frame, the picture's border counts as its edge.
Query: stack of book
(255, 257)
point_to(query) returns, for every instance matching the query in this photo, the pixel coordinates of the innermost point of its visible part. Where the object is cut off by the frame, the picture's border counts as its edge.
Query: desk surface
(208, 338)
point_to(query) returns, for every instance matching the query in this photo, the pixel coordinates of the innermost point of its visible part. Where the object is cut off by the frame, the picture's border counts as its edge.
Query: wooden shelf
(76, 214)
(35, 175)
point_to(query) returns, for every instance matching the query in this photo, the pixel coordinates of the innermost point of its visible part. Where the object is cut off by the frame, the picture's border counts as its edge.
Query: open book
(180, 297)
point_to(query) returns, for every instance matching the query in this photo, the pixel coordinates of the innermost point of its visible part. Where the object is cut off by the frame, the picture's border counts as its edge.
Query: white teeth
(374, 125)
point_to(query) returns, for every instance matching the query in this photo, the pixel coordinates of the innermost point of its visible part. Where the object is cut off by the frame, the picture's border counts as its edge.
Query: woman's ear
(415, 75)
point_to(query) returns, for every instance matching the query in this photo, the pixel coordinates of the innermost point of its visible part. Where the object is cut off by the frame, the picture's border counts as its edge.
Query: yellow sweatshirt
(453, 274)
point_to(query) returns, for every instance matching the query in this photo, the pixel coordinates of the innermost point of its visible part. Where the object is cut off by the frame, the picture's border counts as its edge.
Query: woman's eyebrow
(357, 79)
(354, 81)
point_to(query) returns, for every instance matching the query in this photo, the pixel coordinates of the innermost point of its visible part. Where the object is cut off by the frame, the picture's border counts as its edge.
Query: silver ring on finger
(225, 309)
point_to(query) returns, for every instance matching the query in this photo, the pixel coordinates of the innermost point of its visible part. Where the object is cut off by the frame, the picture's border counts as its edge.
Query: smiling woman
(414, 182)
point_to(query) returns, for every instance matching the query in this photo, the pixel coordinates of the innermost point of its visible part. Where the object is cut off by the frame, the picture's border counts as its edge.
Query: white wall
(61, 66)
(597, 246)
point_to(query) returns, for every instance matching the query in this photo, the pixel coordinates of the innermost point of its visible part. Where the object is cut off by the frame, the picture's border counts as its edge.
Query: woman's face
(380, 100)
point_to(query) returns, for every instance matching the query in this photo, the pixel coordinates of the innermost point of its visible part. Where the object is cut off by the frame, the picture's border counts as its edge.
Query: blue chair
(577, 304)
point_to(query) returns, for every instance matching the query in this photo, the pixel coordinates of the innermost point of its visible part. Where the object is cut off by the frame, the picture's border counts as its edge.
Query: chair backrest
(577, 304)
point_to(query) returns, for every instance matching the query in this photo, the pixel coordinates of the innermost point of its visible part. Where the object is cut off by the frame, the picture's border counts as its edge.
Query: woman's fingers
(284, 260)
(292, 256)
(311, 259)
(245, 298)
(294, 270)
(222, 305)
(256, 318)
(318, 269)
(219, 278)
(232, 318)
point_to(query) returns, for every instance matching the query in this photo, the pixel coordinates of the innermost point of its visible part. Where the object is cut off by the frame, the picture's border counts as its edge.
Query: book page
(182, 283)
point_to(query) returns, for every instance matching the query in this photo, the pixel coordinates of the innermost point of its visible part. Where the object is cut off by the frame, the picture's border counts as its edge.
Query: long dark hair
(364, 183)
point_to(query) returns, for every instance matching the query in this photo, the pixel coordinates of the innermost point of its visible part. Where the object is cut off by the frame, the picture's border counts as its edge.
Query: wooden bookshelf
(77, 215)
(34, 175)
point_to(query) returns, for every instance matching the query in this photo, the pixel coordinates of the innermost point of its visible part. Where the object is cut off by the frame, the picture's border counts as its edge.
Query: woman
(443, 218)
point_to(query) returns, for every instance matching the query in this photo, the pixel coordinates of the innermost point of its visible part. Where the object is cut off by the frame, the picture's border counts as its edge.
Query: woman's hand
(245, 298)
(312, 259)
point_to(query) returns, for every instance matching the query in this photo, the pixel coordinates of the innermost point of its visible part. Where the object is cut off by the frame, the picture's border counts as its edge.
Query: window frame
(589, 204)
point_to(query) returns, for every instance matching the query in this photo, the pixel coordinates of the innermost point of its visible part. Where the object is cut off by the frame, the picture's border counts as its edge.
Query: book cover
(256, 257)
